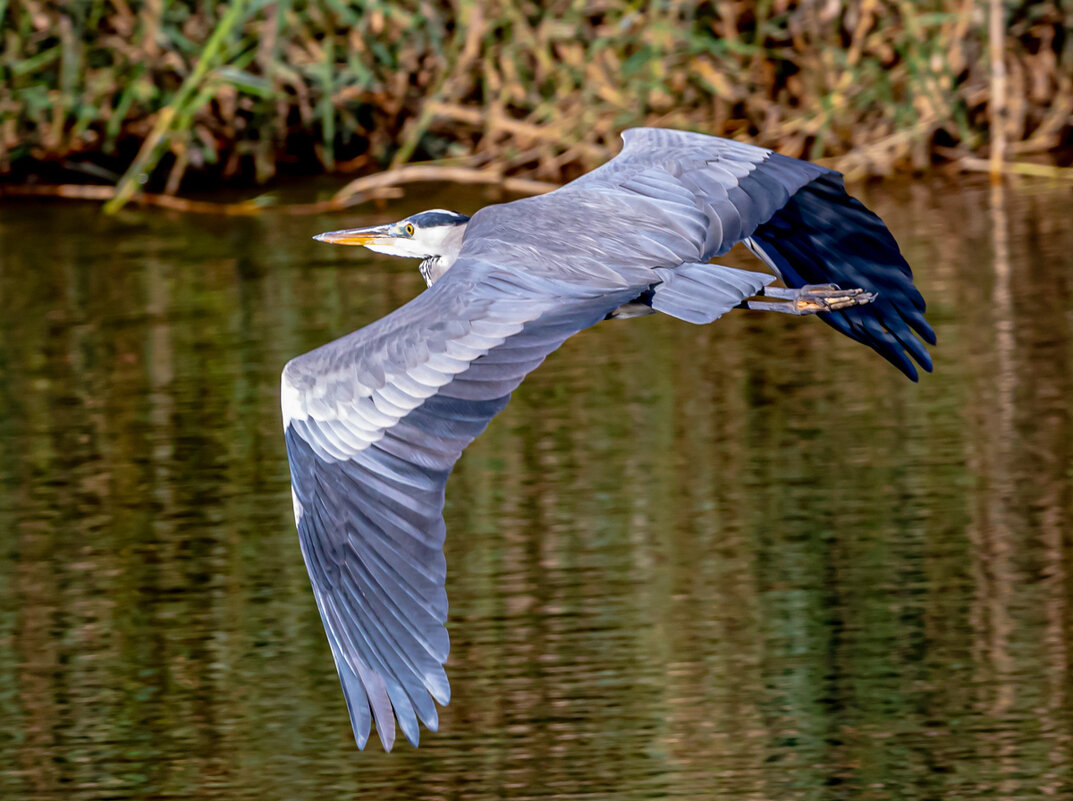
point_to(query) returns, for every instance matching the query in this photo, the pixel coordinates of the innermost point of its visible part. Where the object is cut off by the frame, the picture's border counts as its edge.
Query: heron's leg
(809, 299)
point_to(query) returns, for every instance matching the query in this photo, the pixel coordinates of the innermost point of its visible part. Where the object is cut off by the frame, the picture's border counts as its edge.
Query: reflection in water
(747, 560)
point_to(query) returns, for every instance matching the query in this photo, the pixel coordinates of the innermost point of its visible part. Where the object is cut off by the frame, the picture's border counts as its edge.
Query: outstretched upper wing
(374, 422)
(673, 197)
(670, 197)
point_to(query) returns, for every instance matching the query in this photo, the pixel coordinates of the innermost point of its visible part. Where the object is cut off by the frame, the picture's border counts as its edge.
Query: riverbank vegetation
(160, 95)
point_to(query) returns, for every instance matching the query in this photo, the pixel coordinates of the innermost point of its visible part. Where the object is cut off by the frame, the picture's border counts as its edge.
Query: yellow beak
(374, 235)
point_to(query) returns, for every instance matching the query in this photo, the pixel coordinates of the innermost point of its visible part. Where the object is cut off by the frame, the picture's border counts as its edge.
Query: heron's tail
(824, 236)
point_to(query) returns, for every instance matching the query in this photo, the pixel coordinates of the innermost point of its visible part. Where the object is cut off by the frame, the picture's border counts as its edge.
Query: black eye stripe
(430, 219)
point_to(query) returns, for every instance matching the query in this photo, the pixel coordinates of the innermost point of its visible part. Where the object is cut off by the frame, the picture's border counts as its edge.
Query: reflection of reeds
(158, 89)
(745, 560)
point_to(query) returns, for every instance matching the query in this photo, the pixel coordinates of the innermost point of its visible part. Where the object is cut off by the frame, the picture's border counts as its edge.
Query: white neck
(433, 267)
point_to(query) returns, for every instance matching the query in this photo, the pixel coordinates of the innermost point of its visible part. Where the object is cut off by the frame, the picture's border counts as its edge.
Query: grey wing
(669, 198)
(736, 186)
(374, 423)
(675, 198)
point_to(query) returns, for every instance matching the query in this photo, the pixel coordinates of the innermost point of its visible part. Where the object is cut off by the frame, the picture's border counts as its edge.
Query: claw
(814, 302)
(812, 299)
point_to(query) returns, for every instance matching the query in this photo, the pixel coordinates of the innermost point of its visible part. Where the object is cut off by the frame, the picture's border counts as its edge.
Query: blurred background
(747, 560)
(164, 95)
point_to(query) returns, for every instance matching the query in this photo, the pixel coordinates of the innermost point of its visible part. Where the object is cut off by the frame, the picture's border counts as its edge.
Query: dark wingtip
(823, 235)
(908, 369)
(900, 358)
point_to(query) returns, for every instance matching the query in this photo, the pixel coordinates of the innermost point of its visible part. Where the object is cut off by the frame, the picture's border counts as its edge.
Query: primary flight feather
(375, 421)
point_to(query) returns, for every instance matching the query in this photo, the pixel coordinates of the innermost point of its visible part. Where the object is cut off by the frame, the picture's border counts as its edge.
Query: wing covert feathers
(701, 293)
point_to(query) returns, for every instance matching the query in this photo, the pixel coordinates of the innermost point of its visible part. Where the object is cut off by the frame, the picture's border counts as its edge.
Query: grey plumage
(375, 421)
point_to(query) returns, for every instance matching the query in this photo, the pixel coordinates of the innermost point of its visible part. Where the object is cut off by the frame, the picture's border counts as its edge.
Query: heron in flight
(374, 421)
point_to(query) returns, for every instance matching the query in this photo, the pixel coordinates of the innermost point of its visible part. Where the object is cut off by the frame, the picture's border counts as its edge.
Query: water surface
(747, 560)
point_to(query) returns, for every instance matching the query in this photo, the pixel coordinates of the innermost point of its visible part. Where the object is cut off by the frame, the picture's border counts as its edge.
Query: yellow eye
(409, 229)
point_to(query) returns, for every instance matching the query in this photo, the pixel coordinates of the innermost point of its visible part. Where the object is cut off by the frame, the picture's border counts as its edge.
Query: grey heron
(374, 421)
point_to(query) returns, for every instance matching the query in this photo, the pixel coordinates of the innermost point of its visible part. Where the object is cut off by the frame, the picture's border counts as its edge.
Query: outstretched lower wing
(374, 423)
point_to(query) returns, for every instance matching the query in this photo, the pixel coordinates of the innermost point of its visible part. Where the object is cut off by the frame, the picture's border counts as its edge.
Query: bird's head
(433, 236)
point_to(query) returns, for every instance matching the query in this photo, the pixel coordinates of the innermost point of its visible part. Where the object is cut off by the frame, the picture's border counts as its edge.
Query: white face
(435, 233)
(402, 239)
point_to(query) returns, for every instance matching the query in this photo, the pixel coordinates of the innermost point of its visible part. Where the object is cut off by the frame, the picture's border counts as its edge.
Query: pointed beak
(374, 235)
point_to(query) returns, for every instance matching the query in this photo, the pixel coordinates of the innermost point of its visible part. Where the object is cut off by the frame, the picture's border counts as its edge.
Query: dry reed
(157, 90)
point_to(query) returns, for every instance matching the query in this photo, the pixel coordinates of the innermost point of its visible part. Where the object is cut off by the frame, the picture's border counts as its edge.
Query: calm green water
(742, 561)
